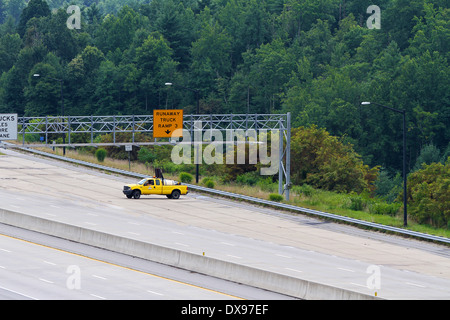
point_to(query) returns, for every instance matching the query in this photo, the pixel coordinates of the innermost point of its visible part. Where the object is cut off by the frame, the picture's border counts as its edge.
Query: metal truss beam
(134, 124)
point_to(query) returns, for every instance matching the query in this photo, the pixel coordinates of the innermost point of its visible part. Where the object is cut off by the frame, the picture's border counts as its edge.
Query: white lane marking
(50, 214)
(283, 256)
(96, 296)
(157, 293)
(415, 284)
(48, 281)
(293, 270)
(134, 233)
(228, 244)
(133, 223)
(349, 270)
(181, 244)
(50, 263)
(357, 284)
(99, 277)
(22, 294)
(234, 256)
(5, 250)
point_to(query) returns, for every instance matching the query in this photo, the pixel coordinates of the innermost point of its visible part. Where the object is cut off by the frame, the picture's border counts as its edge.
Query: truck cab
(152, 186)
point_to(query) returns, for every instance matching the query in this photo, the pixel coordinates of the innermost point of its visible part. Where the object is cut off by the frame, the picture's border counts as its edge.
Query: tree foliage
(323, 161)
(428, 194)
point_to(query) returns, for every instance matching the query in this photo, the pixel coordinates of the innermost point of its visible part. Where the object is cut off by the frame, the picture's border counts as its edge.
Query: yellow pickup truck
(172, 189)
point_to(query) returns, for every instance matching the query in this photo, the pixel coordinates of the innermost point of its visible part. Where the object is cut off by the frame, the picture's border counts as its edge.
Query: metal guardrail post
(280, 159)
(68, 128)
(114, 129)
(133, 127)
(92, 129)
(288, 154)
(23, 131)
(46, 131)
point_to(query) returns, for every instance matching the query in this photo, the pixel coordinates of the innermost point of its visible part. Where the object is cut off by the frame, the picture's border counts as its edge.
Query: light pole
(403, 112)
(62, 105)
(197, 94)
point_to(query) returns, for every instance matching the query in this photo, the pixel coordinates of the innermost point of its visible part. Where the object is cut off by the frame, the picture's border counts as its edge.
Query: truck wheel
(176, 194)
(136, 194)
(169, 196)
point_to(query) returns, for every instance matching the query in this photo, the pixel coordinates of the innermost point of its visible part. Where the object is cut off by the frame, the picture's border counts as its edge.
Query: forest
(317, 59)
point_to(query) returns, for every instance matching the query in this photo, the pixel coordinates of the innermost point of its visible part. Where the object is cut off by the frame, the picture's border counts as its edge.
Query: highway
(65, 270)
(323, 252)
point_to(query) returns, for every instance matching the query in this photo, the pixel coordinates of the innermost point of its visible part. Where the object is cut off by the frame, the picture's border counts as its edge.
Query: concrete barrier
(247, 275)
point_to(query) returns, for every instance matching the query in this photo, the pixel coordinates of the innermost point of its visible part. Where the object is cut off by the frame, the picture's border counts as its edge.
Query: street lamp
(403, 112)
(197, 93)
(62, 104)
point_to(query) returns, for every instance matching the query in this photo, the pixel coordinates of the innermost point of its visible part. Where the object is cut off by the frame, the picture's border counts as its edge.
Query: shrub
(209, 184)
(146, 155)
(275, 197)
(100, 154)
(388, 187)
(390, 209)
(169, 167)
(428, 194)
(248, 178)
(266, 184)
(185, 177)
(307, 190)
(428, 154)
(357, 203)
(326, 162)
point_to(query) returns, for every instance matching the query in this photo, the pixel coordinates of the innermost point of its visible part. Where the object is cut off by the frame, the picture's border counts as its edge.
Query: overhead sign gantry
(203, 126)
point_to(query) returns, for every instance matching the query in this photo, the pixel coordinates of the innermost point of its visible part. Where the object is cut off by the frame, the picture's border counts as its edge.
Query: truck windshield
(142, 181)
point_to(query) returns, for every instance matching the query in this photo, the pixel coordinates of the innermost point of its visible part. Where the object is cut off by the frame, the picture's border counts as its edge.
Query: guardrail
(277, 205)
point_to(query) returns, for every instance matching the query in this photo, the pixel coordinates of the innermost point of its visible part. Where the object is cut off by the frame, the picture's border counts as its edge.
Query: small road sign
(165, 122)
(8, 126)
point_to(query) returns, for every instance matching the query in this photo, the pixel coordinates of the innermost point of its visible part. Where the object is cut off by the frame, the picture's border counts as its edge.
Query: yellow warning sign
(165, 122)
